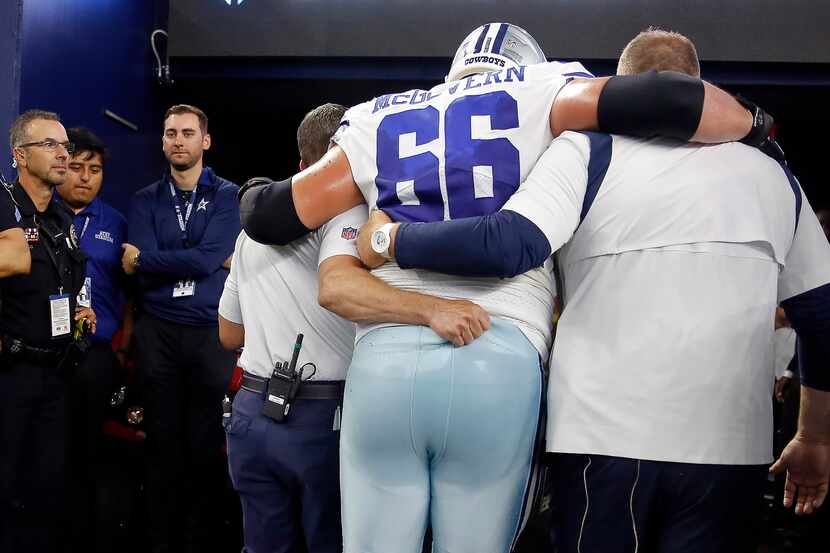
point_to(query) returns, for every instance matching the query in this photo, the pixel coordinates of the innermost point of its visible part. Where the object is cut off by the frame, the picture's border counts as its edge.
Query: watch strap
(387, 230)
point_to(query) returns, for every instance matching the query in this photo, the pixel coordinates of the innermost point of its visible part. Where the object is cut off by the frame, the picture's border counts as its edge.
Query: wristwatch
(381, 240)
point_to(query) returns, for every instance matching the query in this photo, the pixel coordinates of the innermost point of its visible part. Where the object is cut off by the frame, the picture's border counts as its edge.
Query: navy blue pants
(286, 475)
(617, 505)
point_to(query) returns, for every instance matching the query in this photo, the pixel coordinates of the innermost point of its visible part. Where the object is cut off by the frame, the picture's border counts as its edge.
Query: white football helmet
(492, 47)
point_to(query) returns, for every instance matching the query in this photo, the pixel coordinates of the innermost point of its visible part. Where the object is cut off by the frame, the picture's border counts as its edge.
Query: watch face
(380, 241)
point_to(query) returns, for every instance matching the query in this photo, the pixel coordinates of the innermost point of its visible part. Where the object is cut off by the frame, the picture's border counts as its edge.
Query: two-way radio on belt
(283, 386)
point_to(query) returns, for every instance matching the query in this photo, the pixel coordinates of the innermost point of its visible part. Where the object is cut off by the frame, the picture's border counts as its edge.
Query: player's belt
(311, 389)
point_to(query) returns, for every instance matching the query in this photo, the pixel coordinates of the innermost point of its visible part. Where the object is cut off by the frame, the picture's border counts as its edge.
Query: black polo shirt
(25, 309)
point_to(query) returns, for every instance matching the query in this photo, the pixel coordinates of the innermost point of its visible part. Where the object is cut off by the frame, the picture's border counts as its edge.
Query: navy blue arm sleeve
(809, 314)
(504, 244)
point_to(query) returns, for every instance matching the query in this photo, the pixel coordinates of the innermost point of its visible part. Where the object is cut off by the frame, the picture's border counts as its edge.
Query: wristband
(761, 123)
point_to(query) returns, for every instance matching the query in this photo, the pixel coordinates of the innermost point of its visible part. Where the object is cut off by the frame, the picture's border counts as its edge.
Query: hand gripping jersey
(459, 150)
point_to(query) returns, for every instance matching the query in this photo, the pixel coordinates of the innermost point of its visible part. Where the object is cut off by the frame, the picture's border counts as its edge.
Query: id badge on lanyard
(183, 288)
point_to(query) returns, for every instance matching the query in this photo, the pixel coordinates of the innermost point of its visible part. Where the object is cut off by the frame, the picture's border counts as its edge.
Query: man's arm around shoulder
(278, 213)
(665, 104)
(540, 217)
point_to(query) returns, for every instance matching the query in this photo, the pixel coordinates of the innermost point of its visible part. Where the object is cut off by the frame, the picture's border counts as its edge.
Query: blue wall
(80, 57)
(9, 76)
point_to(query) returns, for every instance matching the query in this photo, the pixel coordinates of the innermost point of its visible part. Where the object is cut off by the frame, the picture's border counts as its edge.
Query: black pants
(184, 373)
(93, 384)
(32, 456)
(617, 505)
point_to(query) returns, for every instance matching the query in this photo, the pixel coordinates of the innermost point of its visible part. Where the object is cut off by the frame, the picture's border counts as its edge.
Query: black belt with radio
(285, 385)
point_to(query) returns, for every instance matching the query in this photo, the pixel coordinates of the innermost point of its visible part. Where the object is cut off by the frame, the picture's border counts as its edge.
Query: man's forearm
(354, 294)
(814, 416)
(190, 263)
(346, 288)
(723, 117)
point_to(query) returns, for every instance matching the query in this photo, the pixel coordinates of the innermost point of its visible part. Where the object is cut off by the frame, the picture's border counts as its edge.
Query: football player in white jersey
(433, 434)
(659, 394)
(441, 454)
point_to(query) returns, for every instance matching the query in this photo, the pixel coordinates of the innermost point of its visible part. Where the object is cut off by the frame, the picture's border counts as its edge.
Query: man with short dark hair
(38, 349)
(181, 234)
(316, 124)
(101, 231)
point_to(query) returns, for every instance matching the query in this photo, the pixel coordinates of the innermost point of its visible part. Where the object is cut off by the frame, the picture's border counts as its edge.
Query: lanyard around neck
(183, 220)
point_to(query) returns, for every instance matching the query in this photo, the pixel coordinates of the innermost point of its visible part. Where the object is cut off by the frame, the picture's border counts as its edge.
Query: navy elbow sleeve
(267, 212)
(504, 244)
(809, 314)
(651, 104)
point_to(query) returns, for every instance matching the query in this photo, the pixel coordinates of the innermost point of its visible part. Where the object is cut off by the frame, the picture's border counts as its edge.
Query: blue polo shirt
(169, 256)
(101, 230)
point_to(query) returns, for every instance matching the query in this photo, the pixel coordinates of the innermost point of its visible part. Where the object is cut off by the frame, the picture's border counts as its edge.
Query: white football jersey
(460, 150)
